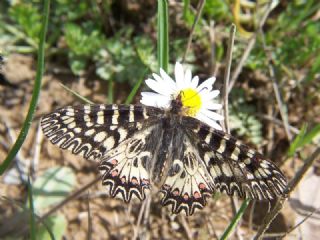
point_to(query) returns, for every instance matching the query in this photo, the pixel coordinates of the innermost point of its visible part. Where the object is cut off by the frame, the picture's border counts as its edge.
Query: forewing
(187, 184)
(234, 167)
(92, 130)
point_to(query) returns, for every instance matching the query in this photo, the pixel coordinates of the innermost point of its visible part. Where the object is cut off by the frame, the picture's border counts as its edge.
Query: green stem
(163, 36)
(36, 91)
(235, 220)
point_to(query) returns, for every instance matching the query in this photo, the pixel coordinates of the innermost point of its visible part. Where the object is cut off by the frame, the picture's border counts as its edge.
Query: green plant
(243, 119)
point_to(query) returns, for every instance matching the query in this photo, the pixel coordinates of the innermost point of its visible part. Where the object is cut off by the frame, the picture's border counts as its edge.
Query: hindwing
(125, 168)
(188, 183)
(235, 168)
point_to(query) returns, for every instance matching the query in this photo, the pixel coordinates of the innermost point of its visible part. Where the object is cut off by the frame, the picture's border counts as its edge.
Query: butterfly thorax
(176, 106)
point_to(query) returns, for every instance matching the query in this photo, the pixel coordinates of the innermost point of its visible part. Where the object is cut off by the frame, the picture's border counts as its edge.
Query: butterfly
(142, 147)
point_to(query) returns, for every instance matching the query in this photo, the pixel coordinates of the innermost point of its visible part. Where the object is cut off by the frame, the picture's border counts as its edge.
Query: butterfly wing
(125, 169)
(188, 183)
(92, 130)
(113, 134)
(234, 167)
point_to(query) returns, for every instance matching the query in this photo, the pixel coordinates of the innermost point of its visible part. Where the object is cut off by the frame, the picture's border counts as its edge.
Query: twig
(250, 221)
(249, 48)
(77, 94)
(186, 227)
(70, 197)
(142, 209)
(65, 201)
(234, 202)
(213, 63)
(272, 74)
(278, 235)
(270, 129)
(146, 216)
(291, 186)
(89, 235)
(211, 229)
(227, 76)
(199, 11)
(21, 163)
(36, 153)
(302, 221)
(278, 122)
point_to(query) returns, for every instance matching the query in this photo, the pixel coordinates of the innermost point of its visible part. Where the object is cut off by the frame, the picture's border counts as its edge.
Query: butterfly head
(187, 103)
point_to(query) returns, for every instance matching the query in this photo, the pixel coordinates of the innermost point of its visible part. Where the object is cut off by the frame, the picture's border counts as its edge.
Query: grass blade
(235, 220)
(303, 138)
(135, 88)
(310, 136)
(36, 91)
(76, 94)
(297, 141)
(186, 12)
(163, 36)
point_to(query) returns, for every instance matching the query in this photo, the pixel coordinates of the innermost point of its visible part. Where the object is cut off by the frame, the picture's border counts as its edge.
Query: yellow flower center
(191, 100)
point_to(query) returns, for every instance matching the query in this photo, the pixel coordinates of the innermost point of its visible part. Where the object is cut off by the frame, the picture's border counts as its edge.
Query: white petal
(187, 78)
(148, 103)
(150, 94)
(167, 78)
(211, 114)
(211, 105)
(209, 121)
(194, 82)
(179, 76)
(155, 100)
(206, 84)
(159, 87)
(210, 95)
(157, 78)
(164, 82)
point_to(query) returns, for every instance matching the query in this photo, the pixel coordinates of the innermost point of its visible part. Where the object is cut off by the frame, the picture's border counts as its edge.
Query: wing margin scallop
(236, 169)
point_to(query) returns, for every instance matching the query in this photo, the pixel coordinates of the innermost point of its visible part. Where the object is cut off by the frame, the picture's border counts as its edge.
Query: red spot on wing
(114, 173)
(145, 181)
(176, 192)
(134, 181)
(197, 195)
(123, 179)
(186, 196)
(114, 162)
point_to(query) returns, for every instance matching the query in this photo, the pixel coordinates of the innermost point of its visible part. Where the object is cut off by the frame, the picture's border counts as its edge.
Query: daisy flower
(198, 100)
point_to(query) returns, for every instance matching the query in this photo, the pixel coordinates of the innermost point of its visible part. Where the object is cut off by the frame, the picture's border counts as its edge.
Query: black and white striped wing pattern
(125, 168)
(138, 146)
(235, 168)
(91, 130)
(188, 183)
(112, 134)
